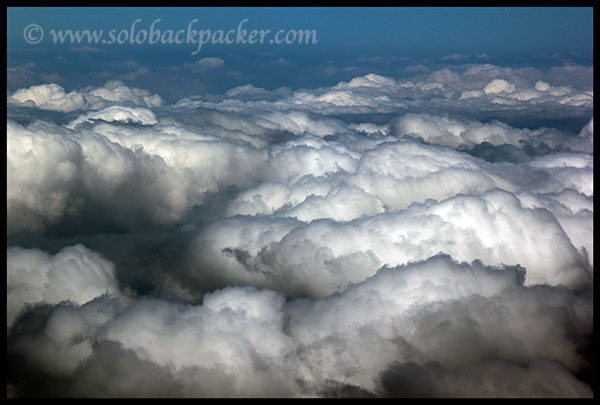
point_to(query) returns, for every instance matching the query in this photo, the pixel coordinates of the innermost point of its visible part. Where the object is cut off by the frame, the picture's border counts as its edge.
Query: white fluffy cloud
(117, 113)
(115, 92)
(498, 86)
(452, 132)
(53, 97)
(325, 257)
(74, 274)
(464, 317)
(479, 88)
(271, 243)
(48, 97)
(156, 175)
(55, 173)
(204, 64)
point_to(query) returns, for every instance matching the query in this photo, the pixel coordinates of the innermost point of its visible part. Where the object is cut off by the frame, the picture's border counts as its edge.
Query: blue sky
(347, 37)
(356, 30)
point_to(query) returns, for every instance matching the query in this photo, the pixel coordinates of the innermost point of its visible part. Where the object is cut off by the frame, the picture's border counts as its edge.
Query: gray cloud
(541, 378)
(466, 317)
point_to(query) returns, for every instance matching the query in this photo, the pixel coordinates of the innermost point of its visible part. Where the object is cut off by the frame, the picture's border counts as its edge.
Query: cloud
(129, 177)
(371, 339)
(250, 92)
(53, 97)
(495, 379)
(417, 68)
(48, 97)
(479, 88)
(204, 64)
(18, 77)
(56, 177)
(378, 237)
(499, 86)
(74, 274)
(116, 92)
(117, 113)
(457, 133)
(454, 57)
(324, 257)
(87, 49)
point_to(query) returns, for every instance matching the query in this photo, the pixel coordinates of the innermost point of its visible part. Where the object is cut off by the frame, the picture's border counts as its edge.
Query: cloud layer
(476, 88)
(359, 240)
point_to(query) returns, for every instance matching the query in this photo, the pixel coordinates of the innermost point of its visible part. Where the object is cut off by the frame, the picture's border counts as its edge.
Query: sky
(436, 31)
(412, 35)
(402, 207)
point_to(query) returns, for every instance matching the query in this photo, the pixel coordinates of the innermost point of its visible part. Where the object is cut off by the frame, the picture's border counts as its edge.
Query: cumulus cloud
(457, 133)
(205, 64)
(56, 174)
(498, 86)
(324, 257)
(455, 57)
(115, 92)
(479, 88)
(117, 113)
(48, 97)
(366, 340)
(74, 274)
(377, 237)
(53, 97)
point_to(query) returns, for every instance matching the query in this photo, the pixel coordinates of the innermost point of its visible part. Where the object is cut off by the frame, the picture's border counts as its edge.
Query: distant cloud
(498, 86)
(329, 70)
(87, 49)
(479, 87)
(130, 76)
(283, 61)
(454, 57)
(53, 97)
(28, 74)
(417, 68)
(49, 97)
(117, 113)
(204, 64)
